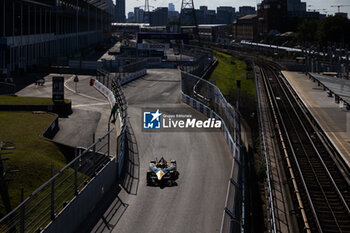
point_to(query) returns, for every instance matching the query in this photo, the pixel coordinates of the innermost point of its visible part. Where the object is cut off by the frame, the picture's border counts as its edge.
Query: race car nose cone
(160, 174)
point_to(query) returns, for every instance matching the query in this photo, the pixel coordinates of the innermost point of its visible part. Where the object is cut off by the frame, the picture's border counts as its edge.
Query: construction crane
(146, 13)
(340, 6)
(319, 10)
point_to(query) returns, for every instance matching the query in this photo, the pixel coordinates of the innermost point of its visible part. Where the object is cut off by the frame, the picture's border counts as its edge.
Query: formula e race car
(162, 172)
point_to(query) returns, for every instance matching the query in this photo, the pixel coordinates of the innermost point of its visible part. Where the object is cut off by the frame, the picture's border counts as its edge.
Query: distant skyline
(212, 5)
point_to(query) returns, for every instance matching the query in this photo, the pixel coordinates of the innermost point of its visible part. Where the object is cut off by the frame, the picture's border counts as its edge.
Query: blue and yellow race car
(162, 172)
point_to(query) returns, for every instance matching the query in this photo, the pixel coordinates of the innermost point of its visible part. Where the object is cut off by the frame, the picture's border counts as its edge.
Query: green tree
(334, 29)
(307, 30)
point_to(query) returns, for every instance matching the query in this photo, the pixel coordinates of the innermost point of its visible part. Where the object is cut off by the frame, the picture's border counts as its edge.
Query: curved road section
(203, 158)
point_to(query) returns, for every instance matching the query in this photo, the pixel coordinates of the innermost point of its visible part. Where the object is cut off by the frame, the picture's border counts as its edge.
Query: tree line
(332, 29)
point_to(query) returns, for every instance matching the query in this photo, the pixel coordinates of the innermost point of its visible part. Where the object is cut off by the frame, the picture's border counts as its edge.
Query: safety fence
(203, 58)
(128, 77)
(127, 73)
(133, 67)
(208, 94)
(208, 99)
(35, 212)
(113, 83)
(48, 202)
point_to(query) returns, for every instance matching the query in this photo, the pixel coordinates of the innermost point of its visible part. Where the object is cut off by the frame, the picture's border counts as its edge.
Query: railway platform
(331, 114)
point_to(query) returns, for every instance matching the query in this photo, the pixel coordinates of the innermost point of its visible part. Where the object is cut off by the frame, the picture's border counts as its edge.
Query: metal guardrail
(205, 96)
(133, 67)
(211, 96)
(203, 59)
(35, 212)
(113, 82)
(41, 207)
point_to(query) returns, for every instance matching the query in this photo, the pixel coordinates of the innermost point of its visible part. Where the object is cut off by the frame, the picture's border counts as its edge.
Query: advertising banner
(153, 46)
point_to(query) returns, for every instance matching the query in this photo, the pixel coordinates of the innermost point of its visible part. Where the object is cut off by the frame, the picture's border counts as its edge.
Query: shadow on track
(107, 213)
(163, 185)
(131, 174)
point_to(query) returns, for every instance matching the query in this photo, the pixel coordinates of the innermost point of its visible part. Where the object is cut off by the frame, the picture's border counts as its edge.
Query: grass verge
(20, 100)
(33, 156)
(228, 71)
(225, 75)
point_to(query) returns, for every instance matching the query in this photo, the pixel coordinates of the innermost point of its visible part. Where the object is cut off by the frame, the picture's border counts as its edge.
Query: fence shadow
(131, 174)
(106, 214)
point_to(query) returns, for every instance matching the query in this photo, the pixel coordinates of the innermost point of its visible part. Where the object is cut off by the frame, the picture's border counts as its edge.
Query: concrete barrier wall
(79, 208)
(53, 128)
(132, 76)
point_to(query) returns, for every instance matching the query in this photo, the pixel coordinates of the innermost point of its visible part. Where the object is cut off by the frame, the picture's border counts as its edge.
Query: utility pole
(146, 13)
(187, 9)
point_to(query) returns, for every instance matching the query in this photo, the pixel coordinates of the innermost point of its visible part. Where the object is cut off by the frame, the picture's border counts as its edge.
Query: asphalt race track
(203, 158)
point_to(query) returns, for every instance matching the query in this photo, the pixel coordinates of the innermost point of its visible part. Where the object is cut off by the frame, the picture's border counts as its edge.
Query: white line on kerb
(90, 97)
(85, 105)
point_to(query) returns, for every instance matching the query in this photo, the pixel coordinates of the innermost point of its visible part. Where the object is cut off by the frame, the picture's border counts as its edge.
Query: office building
(345, 15)
(246, 28)
(139, 15)
(173, 16)
(131, 17)
(120, 11)
(171, 7)
(296, 8)
(246, 10)
(35, 32)
(272, 17)
(159, 17)
(225, 14)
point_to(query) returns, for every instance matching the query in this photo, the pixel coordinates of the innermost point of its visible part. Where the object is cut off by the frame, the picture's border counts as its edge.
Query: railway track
(322, 187)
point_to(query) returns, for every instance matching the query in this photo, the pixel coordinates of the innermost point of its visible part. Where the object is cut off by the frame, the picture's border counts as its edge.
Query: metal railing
(41, 207)
(204, 93)
(133, 67)
(207, 93)
(270, 197)
(203, 59)
(113, 82)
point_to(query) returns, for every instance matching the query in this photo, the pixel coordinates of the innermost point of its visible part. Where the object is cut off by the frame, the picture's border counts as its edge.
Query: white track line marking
(85, 105)
(83, 95)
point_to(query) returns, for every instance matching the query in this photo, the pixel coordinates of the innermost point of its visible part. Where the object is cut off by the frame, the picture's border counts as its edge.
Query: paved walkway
(333, 119)
(90, 112)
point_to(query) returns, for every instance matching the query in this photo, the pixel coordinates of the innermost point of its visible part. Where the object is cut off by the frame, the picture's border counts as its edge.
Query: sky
(212, 4)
